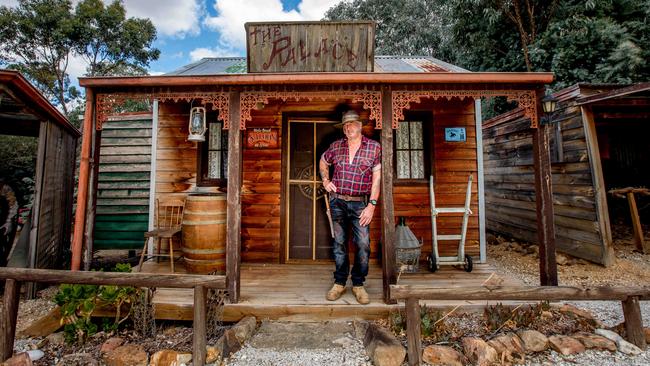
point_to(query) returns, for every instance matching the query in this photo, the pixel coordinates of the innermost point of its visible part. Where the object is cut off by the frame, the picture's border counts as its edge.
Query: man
(353, 190)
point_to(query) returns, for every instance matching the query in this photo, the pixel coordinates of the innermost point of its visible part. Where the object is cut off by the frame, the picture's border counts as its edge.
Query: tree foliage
(40, 37)
(600, 41)
(403, 27)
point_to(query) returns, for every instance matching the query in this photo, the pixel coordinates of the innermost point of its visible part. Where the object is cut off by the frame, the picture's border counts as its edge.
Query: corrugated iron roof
(237, 65)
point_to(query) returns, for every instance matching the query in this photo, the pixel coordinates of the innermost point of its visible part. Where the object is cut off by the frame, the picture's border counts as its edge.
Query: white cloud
(76, 68)
(232, 14)
(203, 52)
(156, 73)
(9, 3)
(172, 18)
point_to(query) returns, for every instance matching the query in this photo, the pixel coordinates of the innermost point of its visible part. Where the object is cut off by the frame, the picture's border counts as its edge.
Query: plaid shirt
(353, 179)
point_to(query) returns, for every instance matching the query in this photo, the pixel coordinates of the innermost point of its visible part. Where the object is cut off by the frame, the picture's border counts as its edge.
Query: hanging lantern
(197, 126)
(549, 104)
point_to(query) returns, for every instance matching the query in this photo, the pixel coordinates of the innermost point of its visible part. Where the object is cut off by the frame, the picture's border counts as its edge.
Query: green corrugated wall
(123, 185)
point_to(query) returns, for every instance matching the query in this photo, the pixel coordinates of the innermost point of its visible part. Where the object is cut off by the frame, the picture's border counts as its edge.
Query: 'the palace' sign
(310, 46)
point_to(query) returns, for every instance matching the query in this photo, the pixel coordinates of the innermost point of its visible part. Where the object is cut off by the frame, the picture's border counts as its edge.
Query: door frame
(284, 191)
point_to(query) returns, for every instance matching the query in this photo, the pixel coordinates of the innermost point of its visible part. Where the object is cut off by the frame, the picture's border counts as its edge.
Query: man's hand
(366, 215)
(329, 186)
(6, 229)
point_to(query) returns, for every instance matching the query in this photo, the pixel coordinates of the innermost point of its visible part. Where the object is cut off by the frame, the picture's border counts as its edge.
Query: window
(411, 159)
(213, 161)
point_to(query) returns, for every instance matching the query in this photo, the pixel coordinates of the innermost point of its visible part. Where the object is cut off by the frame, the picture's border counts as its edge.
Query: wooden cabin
(24, 111)
(597, 143)
(266, 129)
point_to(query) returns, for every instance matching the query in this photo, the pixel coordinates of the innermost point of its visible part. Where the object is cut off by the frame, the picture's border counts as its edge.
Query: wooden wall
(176, 158)
(123, 183)
(453, 162)
(510, 190)
(262, 178)
(54, 195)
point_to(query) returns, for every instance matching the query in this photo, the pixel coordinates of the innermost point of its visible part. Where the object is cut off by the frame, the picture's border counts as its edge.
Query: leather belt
(345, 197)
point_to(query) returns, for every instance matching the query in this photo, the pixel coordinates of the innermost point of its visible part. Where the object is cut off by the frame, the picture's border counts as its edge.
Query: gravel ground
(519, 260)
(351, 355)
(296, 344)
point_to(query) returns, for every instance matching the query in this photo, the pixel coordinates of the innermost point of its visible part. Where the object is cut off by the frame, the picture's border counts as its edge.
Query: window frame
(203, 153)
(427, 147)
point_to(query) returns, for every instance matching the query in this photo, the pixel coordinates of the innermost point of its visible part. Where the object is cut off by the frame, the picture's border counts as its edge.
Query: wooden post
(636, 224)
(9, 316)
(544, 201)
(233, 236)
(84, 172)
(414, 348)
(386, 198)
(200, 334)
(634, 322)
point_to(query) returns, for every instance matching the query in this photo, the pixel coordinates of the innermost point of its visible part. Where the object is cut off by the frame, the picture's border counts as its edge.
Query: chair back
(169, 214)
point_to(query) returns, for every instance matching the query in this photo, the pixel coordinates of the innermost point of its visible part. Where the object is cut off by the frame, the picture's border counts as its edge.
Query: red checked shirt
(353, 179)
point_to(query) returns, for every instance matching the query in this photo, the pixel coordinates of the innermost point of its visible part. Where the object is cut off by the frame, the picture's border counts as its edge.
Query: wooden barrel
(204, 233)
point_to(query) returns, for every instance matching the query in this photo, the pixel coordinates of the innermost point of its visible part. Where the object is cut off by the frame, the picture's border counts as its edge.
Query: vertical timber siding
(123, 184)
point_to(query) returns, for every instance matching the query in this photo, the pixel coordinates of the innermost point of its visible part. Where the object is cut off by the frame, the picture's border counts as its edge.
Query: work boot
(361, 295)
(335, 292)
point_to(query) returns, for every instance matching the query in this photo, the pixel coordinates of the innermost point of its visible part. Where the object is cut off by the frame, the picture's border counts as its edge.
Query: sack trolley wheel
(468, 265)
(432, 264)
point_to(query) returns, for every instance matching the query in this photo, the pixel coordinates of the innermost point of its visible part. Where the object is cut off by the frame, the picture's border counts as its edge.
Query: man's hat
(349, 116)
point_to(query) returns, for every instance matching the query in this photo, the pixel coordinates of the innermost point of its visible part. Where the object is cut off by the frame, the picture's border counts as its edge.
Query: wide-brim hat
(349, 116)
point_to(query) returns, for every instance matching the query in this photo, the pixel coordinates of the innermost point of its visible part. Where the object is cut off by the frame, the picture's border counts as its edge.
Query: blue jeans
(346, 214)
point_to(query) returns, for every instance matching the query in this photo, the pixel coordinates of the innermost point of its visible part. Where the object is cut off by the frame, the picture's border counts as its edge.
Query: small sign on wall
(455, 134)
(262, 138)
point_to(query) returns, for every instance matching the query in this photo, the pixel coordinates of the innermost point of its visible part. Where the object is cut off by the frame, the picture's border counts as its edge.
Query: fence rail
(14, 277)
(629, 297)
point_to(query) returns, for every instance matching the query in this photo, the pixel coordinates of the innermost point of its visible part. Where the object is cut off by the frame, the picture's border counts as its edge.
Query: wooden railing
(16, 276)
(629, 297)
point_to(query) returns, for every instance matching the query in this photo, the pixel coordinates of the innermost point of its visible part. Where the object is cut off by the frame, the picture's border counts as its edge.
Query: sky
(189, 30)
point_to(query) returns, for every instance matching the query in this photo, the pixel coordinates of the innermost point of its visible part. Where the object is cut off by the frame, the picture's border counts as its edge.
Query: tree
(412, 27)
(35, 39)
(39, 37)
(110, 43)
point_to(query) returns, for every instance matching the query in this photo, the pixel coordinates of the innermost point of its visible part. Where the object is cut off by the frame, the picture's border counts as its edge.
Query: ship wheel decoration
(308, 188)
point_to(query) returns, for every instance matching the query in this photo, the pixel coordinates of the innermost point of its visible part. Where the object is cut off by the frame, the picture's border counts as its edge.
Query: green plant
(397, 320)
(78, 302)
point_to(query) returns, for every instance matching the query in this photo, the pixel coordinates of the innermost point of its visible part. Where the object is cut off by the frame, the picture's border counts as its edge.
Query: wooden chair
(167, 226)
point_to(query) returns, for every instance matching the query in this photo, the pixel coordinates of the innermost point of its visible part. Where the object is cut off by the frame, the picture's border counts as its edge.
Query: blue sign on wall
(455, 134)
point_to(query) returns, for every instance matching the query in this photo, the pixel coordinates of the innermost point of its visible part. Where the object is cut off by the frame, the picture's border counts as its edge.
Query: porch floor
(296, 292)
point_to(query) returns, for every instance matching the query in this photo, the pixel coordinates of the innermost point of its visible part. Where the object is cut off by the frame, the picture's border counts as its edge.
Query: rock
(580, 313)
(479, 352)
(565, 345)
(492, 239)
(546, 315)
(35, 354)
(360, 328)
(244, 328)
(56, 339)
(533, 340)
(622, 345)
(590, 340)
(234, 338)
(517, 247)
(561, 259)
(509, 347)
(111, 344)
(19, 359)
(501, 240)
(344, 341)
(214, 353)
(168, 357)
(382, 347)
(78, 359)
(443, 356)
(44, 326)
(129, 355)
